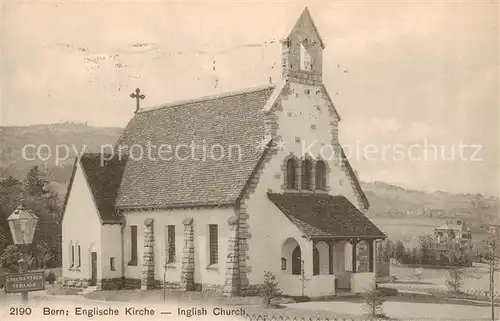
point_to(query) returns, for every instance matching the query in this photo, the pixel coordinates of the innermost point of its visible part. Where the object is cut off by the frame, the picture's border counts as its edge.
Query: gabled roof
(355, 180)
(305, 15)
(279, 89)
(103, 177)
(103, 181)
(325, 216)
(453, 225)
(233, 121)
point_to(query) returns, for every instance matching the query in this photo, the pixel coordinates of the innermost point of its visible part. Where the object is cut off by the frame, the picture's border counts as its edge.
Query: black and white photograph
(250, 160)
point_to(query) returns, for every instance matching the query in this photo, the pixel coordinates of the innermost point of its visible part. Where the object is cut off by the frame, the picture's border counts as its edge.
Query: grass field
(475, 279)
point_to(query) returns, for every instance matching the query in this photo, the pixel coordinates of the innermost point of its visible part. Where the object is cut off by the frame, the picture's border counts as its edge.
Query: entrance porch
(326, 266)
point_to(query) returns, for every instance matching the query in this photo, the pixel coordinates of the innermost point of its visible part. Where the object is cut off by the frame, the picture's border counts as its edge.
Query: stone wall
(171, 286)
(210, 288)
(75, 282)
(187, 270)
(131, 283)
(148, 268)
(110, 284)
(232, 276)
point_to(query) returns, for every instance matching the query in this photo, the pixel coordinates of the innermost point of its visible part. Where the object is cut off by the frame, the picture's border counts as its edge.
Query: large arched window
(291, 174)
(306, 174)
(320, 175)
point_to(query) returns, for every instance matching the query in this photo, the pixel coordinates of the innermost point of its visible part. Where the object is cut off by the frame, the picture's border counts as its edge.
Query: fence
(260, 317)
(481, 293)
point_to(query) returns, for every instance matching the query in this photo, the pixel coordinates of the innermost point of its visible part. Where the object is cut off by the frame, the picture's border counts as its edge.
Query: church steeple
(302, 51)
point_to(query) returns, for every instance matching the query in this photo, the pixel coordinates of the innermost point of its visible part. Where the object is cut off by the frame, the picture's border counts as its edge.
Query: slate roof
(325, 215)
(227, 120)
(104, 181)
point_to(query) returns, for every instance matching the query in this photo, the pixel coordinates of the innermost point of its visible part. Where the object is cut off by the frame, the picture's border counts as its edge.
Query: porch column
(148, 265)
(187, 269)
(370, 255)
(330, 257)
(354, 246)
(313, 257)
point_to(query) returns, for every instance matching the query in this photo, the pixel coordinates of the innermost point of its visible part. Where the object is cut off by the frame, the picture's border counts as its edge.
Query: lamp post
(22, 224)
(493, 231)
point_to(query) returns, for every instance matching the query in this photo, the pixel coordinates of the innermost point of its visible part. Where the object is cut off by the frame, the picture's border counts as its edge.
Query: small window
(305, 59)
(78, 256)
(170, 243)
(112, 264)
(306, 174)
(320, 175)
(291, 174)
(133, 245)
(283, 264)
(214, 244)
(72, 255)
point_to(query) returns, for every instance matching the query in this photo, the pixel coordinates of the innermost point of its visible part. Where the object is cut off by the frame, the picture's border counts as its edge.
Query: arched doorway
(297, 261)
(321, 258)
(315, 261)
(291, 257)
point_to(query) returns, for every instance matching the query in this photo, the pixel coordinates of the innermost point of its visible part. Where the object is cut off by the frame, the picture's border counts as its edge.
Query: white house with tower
(234, 194)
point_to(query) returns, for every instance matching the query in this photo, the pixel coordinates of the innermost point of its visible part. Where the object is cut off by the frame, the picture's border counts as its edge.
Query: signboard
(24, 282)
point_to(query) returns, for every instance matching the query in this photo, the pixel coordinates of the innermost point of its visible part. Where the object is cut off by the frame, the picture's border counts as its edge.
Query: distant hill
(51, 138)
(393, 202)
(387, 201)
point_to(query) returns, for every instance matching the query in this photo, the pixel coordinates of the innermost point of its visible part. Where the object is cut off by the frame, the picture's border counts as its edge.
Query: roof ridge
(209, 97)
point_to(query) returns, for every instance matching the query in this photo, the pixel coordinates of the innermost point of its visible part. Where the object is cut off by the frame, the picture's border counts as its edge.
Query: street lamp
(22, 224)
(493, 230)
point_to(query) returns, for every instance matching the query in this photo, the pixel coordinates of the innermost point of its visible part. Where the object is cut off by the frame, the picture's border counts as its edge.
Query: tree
(44, 254)
(399, 251)
(454, 280)
(374, 300)
(425, 249)
(387, 251)
(10, 195)
(271, 290)
(34, 182)
(9, 258)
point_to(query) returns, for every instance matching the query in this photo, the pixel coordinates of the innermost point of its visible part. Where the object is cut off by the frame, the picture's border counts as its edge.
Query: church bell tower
(302, 52)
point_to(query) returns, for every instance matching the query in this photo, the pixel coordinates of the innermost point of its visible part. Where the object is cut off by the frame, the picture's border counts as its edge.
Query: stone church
(236, 184)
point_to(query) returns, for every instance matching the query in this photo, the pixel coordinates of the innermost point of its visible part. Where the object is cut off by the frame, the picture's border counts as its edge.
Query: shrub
(374, 300)
(455, 279)
(388, 291)
(51, 277)
(9, 258)
(271, 290)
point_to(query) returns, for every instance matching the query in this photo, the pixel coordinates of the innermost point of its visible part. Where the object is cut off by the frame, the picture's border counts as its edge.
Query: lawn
(476, 278)
(253, 305)
(156, 296)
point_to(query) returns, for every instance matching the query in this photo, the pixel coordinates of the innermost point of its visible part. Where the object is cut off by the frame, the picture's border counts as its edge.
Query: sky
(400, 74)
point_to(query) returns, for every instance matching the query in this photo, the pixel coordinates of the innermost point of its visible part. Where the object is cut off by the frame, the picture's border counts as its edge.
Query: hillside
(50, 139)
(394, 207)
